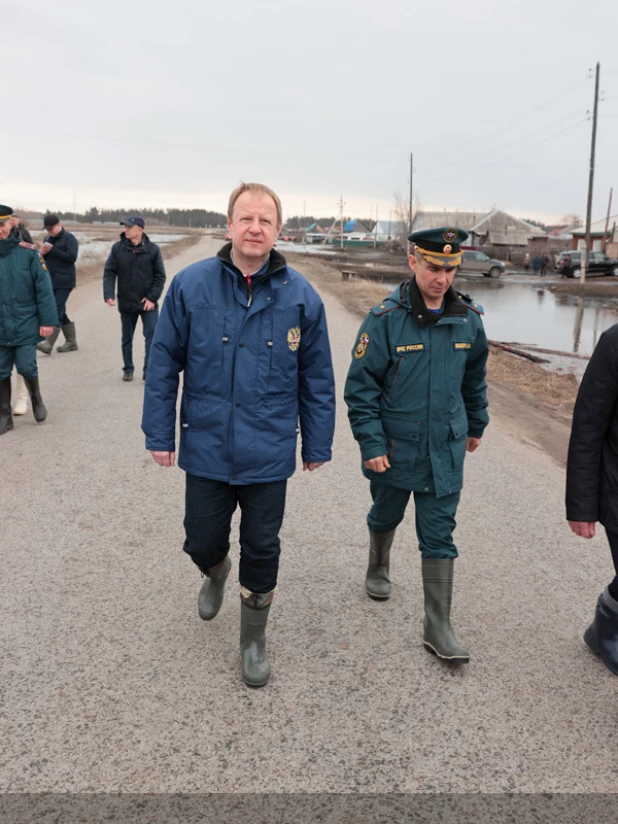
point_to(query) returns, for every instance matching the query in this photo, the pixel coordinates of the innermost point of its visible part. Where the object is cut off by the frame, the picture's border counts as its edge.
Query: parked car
(479, 262)
(569, 264)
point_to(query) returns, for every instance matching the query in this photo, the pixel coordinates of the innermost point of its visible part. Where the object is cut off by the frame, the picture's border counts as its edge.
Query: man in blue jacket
(60, 250)
(417, 402)
(250, 335)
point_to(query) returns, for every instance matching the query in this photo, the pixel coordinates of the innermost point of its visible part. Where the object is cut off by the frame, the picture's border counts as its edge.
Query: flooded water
(529, 313)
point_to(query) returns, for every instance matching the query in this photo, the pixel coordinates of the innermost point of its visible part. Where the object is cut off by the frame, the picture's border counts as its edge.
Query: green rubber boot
(70, 344)
(211, 594)
(46, 346)
(254, 610)
(6, 419)
(439, 637)
(377, 582)
(38, 407)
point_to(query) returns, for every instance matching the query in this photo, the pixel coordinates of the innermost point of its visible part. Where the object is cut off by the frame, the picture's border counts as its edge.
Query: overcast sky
(173, 103)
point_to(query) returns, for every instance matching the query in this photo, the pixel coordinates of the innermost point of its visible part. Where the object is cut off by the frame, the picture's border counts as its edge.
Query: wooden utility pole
(609, 209)
(586, 254)
(411, 190)
(341, 205)
(375, 231)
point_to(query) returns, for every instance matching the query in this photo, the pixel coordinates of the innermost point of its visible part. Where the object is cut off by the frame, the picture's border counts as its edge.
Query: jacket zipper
(392, 386)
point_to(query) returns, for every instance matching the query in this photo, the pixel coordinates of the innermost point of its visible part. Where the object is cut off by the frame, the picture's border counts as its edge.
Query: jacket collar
(140, 246)
(276, 262)
(8, 244)
(410, 297)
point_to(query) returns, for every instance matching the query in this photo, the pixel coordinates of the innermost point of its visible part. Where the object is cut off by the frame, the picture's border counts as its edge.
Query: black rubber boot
(38, 407)
(254, 610)
(6, 418)
(70, 345)
(46, 346)
(377, 582)
(602, 634)
(211, 594)
(439, 637)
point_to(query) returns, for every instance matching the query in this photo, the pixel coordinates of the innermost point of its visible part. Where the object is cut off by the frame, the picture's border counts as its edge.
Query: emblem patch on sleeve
(361, 346)
(294, 338)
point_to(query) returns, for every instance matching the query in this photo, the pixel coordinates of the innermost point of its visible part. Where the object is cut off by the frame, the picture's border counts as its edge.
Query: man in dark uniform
(417, 402)
(60, 250)
(27, 314)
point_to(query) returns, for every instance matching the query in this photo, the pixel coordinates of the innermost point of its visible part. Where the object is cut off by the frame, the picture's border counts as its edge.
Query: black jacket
(61, 259)
(592, 468)
(140, 274)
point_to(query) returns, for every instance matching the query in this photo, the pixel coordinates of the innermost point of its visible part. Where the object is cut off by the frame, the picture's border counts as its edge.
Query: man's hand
(148, 305)
(473, 443)
(379, 464)
(584, 529)
(312, 466)
(45, 331)
(163, 458)
(110, 302)
(45, 248)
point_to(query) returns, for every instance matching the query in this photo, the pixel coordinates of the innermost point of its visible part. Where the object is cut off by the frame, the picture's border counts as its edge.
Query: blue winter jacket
(255, 362)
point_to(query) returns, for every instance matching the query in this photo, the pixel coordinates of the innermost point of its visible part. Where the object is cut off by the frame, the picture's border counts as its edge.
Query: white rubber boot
(20, 406)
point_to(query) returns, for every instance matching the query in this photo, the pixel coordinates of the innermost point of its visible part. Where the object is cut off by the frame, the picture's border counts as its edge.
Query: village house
(496, 228)
(597, 236)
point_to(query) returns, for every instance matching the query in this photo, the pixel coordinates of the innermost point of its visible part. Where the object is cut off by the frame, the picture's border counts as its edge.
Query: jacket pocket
(403, 436)
(458, 438)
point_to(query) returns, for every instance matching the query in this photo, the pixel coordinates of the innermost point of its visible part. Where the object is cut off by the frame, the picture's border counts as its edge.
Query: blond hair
(259, 188)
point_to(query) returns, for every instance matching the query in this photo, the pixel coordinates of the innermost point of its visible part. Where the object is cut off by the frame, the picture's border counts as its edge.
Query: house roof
(500, 227)
(596, 228)
(392, 227)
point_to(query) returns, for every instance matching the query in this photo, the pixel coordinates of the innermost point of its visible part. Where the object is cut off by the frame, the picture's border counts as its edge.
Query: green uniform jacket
(26, 295)
(416, 389)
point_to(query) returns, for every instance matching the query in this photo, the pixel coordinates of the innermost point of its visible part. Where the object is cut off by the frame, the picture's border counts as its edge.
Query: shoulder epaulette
(25, 245)
(470, 303)
(385, 308)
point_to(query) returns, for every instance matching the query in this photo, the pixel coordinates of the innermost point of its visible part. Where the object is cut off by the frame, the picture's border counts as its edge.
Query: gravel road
(111, 683)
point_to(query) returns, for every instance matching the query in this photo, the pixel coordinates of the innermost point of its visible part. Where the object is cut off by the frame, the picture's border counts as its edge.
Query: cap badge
(450, 235)
(447, 249)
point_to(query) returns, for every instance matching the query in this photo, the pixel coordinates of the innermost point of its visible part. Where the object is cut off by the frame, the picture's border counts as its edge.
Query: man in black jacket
(592, 481)
(137, 263)
(60, 249)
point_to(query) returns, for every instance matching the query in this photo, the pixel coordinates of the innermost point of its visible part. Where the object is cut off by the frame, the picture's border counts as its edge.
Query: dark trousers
(612, 537)
(23, 357)
(62, 295)
(129, 322)
(435, 517)
(209, 506)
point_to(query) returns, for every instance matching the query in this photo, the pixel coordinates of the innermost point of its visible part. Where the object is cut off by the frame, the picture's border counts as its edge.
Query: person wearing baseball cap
(60, 249)
(28, 314)
(135, 265)
(417, 404)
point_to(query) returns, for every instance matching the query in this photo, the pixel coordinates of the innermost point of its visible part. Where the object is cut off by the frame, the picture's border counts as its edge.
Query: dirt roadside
(531, 403)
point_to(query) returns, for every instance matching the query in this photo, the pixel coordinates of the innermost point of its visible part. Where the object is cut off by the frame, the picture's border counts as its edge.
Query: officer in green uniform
(417, 402)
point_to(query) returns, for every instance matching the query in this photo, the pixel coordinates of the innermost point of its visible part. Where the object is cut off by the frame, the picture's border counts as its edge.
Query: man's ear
(412, 261)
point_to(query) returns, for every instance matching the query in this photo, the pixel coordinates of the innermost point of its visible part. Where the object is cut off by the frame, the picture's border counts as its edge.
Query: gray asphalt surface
(110, 681)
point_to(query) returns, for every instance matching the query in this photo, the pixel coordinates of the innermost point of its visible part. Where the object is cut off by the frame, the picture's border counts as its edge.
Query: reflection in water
(577, 329)
(523, 313)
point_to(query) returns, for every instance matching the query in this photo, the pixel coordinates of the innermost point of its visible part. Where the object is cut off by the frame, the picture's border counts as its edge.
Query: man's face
(134, 232)
(6, 226)
(433, 281)
(14, 221)
(253, 226)
(54, 230)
